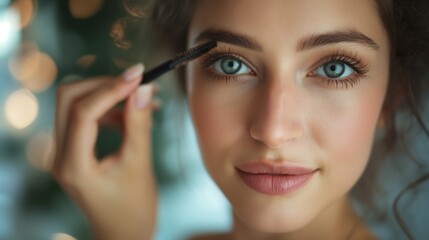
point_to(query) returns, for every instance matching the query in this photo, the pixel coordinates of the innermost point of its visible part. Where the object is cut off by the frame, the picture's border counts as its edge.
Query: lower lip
(273, 184)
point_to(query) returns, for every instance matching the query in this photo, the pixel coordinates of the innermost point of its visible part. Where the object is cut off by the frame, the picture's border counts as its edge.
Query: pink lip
(274, 179)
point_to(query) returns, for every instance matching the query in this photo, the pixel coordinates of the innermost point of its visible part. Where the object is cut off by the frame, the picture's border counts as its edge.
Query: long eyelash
(222, 78)
(351, 59)
(348, 58)
(345, 83)
(216, 54)
(354, 62)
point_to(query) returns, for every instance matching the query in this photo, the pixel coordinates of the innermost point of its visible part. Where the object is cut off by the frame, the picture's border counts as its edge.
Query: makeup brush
(180, 60)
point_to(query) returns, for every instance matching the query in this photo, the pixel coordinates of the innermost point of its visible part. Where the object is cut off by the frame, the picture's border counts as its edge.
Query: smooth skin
(117, 193)
(280, 112)
(277, 109)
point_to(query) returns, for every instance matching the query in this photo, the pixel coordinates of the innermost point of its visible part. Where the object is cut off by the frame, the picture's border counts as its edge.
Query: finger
(156, 104)
(156, 88)
(87, 112)
(67, 94)
(138, 125)
(115, 117)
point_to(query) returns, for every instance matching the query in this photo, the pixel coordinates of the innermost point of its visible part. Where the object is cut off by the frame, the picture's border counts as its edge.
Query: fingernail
(158, 103)
(133, 72)
(143, 96)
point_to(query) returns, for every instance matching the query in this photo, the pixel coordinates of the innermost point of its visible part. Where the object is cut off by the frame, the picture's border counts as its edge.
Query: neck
(338, 221)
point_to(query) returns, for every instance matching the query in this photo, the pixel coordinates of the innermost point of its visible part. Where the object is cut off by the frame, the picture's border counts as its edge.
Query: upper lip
(274, 168)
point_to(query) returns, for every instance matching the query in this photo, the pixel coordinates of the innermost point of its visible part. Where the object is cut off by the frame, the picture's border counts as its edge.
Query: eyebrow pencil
(181, 59)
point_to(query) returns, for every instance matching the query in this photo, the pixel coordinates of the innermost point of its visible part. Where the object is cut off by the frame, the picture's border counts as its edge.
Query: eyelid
(349, 58)
(352, 60)
(218, 53)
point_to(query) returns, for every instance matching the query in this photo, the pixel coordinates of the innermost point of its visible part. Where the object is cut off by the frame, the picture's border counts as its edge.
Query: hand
(117, 193)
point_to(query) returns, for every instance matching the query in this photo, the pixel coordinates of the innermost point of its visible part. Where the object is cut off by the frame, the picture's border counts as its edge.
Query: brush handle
(154, 73)
(180, 60)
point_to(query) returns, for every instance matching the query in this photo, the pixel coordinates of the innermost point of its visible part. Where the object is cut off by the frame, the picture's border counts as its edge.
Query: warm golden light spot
(45, 75)
(118, 34)
(120, 63)
(62, 236)
(35, 70)
(21, 108)
(82, 9)
(40, 151)
(86, 60)
(26, 10)
(17, 63)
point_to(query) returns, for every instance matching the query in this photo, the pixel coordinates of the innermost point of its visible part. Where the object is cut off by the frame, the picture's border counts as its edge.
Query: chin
(273, 218)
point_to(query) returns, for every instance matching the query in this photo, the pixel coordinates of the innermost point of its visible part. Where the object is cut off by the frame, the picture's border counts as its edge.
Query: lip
(274, 178)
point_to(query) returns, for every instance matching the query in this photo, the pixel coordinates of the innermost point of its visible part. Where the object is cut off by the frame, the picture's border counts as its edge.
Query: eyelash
(352, 60)
(211, 57)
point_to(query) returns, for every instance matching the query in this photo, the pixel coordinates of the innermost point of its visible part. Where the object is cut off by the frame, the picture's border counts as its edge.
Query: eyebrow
(230, 37)
(316, 40)
(354, 36)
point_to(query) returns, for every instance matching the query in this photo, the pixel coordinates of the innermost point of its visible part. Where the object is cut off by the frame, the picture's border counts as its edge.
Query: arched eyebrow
(315, 40)
(323, 39)
(230, 37)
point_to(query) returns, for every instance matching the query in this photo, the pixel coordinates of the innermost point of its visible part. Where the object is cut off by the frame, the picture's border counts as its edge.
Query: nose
(276, 120)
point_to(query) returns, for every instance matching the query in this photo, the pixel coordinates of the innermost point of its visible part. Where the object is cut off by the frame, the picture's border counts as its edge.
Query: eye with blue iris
(231, 66)
(335, 70)
(341, 70)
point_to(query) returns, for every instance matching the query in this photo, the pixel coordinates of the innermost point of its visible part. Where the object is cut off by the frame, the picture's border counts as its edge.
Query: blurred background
(47, 42)
(44, 43)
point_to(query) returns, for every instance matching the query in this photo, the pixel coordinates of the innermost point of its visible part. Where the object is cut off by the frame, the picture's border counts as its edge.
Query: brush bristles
(190, 54)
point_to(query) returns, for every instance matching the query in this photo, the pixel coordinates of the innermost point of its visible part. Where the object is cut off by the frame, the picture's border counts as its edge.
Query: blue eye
(230, 66)
(335, 69)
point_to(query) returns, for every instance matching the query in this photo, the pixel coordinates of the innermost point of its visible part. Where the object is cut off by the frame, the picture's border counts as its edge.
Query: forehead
(281, 22)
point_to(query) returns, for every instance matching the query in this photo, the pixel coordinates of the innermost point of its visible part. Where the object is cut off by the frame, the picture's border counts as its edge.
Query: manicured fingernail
(133, 72)
(143, 96)
(158, 103)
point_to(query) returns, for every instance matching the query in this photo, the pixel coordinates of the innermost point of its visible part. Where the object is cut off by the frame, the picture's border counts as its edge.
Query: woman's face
(285, 108)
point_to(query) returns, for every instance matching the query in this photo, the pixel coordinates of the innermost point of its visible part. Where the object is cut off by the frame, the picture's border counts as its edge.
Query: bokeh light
(82, 9)
(121, 63)
(26, 10)
(21, 108)
(40, 151)
(34, 69)
(9, 24)
(6, 29)
(62, 236)
(16, 61)
(117, 33)
(86, 60)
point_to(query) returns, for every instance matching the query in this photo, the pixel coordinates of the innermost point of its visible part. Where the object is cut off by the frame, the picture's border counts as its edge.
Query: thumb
(138, 125)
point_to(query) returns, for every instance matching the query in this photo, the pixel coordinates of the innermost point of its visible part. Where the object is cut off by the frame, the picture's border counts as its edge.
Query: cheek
(218, 119)
(213, 123)
(345, 134)
(220, 114)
